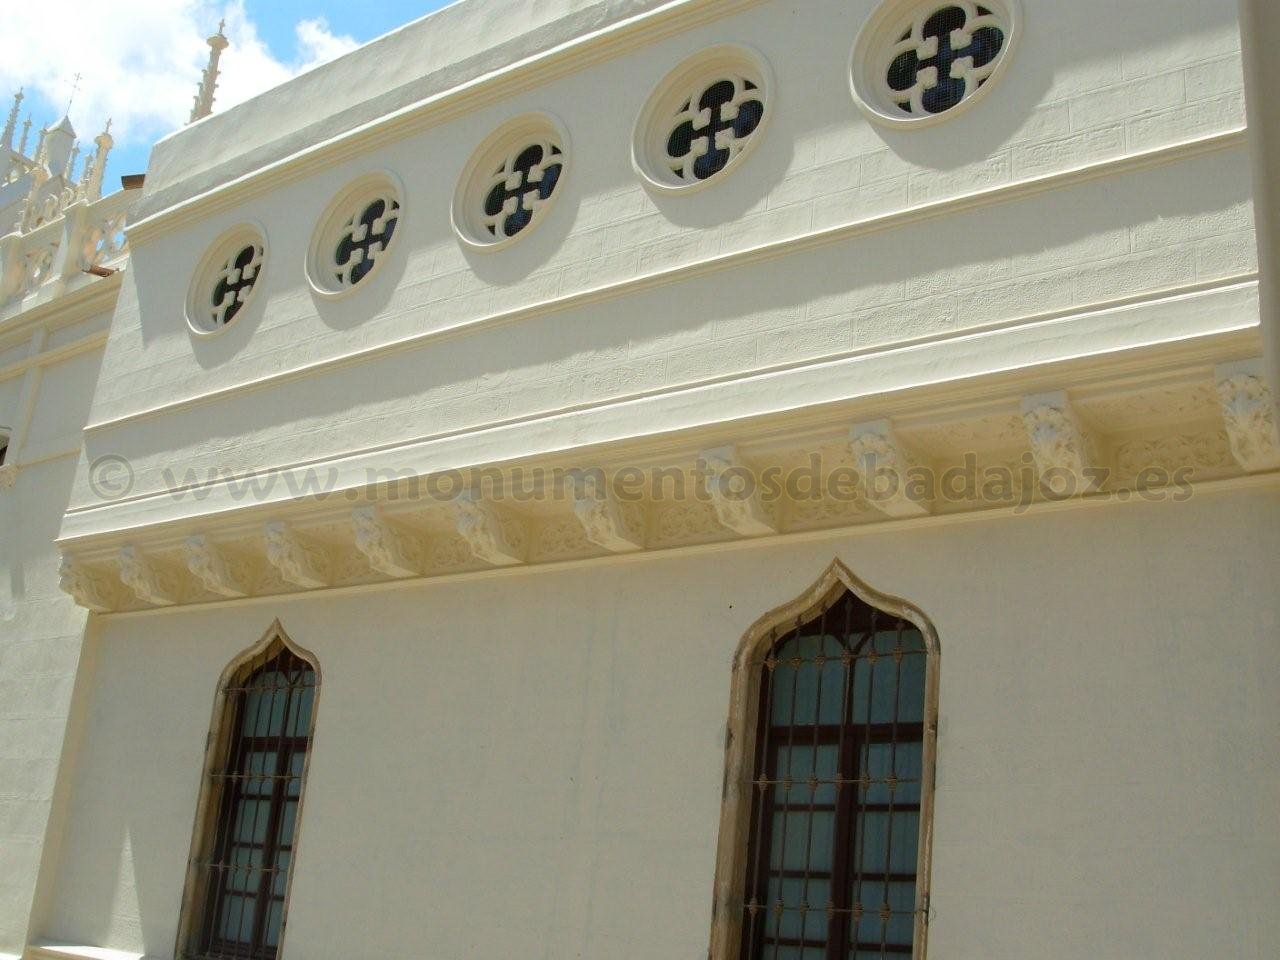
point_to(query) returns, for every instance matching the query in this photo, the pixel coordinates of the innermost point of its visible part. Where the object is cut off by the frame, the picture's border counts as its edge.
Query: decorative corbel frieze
(299, 560)
(217, 571)
(1249, 411)
(89, 589)
(480, 526)
(885, 468)
(735, 494)
(388, 550)
(149, 583)
(598, 511)
(1057, 443)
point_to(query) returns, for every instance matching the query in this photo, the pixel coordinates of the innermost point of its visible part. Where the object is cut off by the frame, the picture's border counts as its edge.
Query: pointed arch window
(247, 826)
(826, 831)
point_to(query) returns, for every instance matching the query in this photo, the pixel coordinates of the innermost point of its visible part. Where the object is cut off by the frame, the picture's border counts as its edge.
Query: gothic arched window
(238, 881)
(827, 812)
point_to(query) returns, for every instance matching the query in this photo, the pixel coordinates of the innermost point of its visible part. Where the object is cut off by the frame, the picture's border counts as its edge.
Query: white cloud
(141, 60)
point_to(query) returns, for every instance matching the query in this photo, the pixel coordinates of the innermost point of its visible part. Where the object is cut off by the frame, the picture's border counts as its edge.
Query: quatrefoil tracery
(520, 187)
(363, 238)
(944, 57)
(234, 283)
(713, 126)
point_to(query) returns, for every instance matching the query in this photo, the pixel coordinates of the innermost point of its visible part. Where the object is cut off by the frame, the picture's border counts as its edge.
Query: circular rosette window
(510, 182)
(355, 234)
(703, 119)
(226, 279)
(915, 63)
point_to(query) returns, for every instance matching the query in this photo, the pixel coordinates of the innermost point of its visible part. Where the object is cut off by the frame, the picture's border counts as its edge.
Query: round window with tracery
(703, 119)
(226, 279)
(355, 234)
(915, 62)
(510, 181)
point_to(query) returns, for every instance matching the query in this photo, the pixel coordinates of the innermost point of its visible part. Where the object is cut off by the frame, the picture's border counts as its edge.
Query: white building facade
(543, 466)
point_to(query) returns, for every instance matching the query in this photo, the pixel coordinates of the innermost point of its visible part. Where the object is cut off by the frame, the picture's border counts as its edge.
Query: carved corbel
(734, 493)
(599, 512)
(478, 523)
(89, 589)
(148, 582)
(299, 560)
(388, 550)
(1057, 443)
(217, 571)
(1249, 411)
(884, 466)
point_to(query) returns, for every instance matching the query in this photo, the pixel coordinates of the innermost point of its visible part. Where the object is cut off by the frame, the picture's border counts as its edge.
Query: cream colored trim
(204, 281)
(95, 295)
(565, 59)
(204, 830)
(1192, 328)
(48, 358)
(58, 951)
(1256, 481)
(746, 257)
(740, 741)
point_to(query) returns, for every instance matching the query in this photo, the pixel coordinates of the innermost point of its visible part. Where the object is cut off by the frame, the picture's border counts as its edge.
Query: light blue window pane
(899, 927)
(297, 762)
(811, 687)
(793, 923)
(868, 928)
(271, 934)
(288, 817)
(789, 851)
(245, 866)
(252, 817)
(300, 711)
(911, 697)
(879, 761)
(259, 766)
(280, 879)
(236, 923)
(902, 903)
(794, 953)
(874, 690)
(799, 763)
(872, 828)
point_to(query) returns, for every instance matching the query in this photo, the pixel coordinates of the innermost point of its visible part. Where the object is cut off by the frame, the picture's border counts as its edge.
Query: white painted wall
(1156, 75)
(41, 628)
(530, 764)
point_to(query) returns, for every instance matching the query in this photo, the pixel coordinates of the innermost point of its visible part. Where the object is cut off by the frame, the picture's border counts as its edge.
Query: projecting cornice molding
(298, 559)
(1249, 410)
(885, 469)
(388, 550)
(1203, 425)
(483, 529)
(735, 495)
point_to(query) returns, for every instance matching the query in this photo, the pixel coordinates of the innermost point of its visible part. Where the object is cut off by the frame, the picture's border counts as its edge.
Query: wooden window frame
(741, 746)
(197, 896)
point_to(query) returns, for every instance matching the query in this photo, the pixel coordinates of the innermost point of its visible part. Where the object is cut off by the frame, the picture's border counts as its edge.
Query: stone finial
(26, 132)
(148, 582)
(601, 516)
(217, 571)
(97, 168)
(89, 589)
(734, 493)
(884, 466)
(388, 549)
(299, 560)
(479, 524)
(1057, 443)
(1249, 411)
(11, 124)
(203, 105)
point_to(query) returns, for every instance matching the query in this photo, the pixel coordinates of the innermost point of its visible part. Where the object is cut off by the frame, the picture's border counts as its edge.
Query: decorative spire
(26, 131)
(105, 143)
(69, 173)
(204, 98)
(11, 124)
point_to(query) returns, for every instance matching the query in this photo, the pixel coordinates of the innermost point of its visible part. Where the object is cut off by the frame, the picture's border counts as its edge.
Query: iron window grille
(239, 877)
(827, 827)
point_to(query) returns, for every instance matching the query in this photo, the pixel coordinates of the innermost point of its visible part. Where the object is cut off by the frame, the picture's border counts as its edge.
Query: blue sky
(141, 64)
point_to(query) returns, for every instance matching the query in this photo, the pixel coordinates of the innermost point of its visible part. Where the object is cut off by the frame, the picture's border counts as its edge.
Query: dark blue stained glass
(525, 168)
(372, 240)
(984, 46)
(715, 99)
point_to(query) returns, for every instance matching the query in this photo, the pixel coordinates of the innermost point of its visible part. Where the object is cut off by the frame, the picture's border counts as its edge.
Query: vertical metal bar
(836, 928)
(886, 914)
(819, 665)
(797, 662)
(864, 751)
